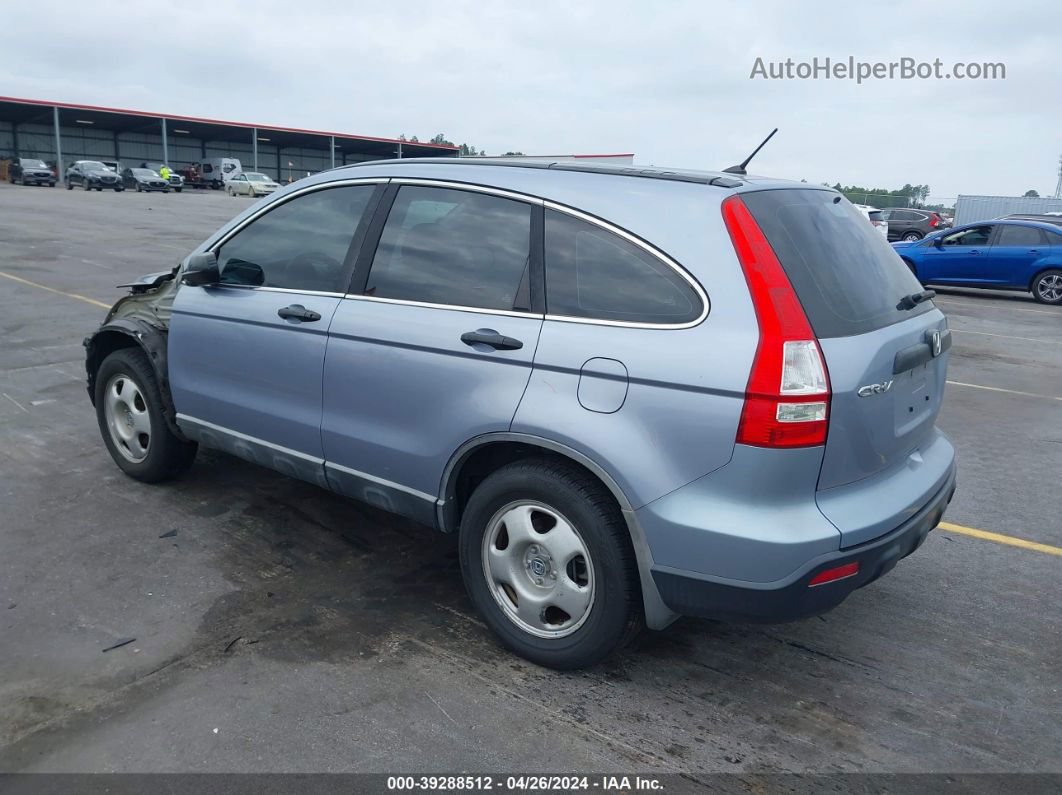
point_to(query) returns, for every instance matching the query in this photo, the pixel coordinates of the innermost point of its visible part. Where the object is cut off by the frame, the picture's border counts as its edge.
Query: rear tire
(911, 236)
(1047, 287)
(518, 578)
(134, 428)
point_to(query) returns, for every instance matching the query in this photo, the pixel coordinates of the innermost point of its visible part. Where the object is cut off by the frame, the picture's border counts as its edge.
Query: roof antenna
(740, 169)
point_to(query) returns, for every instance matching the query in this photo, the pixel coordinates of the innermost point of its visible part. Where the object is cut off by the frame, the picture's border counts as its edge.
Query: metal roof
(20, 110)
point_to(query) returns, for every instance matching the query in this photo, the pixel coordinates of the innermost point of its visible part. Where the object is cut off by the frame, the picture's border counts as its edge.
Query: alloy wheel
(1049, 288)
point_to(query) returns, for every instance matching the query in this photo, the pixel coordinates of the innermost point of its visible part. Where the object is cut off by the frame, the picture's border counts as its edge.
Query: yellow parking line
(87, 300)
(999, 538)
(1008, 391)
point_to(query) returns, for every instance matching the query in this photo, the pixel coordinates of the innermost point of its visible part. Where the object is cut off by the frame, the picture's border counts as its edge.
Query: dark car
(142, 179)
(910, 224)
(1043, 219)
(91, 174)
(1001, 255)
(176, 180)
(31, 171)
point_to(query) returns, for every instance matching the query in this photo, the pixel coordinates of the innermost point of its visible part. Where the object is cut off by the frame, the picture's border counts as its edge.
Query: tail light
(787, 399)
(934, 219)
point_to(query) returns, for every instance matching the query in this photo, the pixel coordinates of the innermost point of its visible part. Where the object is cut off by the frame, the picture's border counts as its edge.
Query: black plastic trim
(794, 598)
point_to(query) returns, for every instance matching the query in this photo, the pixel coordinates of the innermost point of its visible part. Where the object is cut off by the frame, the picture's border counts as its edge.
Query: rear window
(847, 277)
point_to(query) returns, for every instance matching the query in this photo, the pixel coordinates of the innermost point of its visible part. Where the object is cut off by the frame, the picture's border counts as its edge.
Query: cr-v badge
(874, 389)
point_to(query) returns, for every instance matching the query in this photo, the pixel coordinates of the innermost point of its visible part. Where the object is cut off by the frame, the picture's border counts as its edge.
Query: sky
(669, 81)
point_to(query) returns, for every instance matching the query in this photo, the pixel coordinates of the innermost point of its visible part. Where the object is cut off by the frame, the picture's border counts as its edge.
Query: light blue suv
(633, 393)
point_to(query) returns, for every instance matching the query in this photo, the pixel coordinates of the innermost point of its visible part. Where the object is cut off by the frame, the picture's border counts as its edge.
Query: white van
(217, 171)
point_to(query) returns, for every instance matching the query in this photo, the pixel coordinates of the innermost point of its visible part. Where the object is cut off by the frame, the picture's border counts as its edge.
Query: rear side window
(847, 277)
(875, 215)
(594, 273)
(446, 246)
(1012, 235)
(301, 244)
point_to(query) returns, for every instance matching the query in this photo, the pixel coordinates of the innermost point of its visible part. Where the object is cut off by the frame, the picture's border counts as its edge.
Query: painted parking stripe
(86, 299)
(999, 538)
(1008, 391)
(1006, 336)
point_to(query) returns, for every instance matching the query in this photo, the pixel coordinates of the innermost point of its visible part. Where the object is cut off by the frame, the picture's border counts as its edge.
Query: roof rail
(698, 177)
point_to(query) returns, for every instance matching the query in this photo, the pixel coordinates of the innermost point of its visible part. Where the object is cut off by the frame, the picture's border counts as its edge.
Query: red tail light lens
(787, 399)
(934, 219)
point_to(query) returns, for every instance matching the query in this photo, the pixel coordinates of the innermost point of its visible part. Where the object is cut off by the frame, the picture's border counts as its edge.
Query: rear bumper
(793, 598)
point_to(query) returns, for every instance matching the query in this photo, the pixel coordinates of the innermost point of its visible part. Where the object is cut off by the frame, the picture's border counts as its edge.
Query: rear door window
(453, 247)
(847, 277)
(1013, 235)
(596, 274)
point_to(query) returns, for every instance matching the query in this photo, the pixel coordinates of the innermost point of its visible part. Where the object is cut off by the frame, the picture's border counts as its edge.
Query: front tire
(1047, 287)
(134, 428)
(546, 558)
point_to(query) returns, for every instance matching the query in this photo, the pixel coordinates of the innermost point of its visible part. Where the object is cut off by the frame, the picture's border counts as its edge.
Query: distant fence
(877, 199)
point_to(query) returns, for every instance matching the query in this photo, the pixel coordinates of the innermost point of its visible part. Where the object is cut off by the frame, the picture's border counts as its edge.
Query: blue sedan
(1002, 255)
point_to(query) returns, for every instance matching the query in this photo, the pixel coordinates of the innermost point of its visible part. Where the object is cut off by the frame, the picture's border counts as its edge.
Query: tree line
(466, 150)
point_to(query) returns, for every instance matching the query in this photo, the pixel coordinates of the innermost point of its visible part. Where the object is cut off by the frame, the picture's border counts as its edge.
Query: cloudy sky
(669, 81)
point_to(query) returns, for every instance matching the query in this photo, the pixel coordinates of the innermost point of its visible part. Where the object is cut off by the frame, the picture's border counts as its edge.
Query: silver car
(251, 183)
(633, 393)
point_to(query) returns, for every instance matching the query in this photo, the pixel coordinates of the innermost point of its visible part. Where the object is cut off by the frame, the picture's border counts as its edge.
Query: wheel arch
(1041, 271)
(125, 332)
(476, 458)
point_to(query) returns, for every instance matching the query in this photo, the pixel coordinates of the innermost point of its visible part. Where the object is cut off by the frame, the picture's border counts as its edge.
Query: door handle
(298, 312)
(975, 252)
(488, 336)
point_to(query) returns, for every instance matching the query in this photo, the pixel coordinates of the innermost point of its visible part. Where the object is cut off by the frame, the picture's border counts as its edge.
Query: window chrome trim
(289, 290)
(382, 482)
(428, 305)
(468, 186)
(654, 252)
(248, 438)
(339, 183)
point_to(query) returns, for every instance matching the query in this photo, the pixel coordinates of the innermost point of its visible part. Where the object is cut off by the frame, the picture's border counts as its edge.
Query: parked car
(251, 183)
(176, 181)
(909, 225)
(92, 174)
(877, 220)
(30, 171)
(1045, 218)
(631, 395)
(144, 179)
(1007, 255)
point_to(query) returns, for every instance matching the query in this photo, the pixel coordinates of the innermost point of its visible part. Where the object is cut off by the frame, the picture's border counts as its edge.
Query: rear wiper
(914, 299)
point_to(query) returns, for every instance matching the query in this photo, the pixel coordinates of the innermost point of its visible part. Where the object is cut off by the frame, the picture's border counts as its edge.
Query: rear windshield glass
(845, 274)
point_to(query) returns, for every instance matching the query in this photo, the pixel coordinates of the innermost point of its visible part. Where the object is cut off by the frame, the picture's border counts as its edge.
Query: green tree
(1032, 194)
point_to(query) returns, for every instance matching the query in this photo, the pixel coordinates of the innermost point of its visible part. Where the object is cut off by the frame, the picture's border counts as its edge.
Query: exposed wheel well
(485, 459)
(102, 345)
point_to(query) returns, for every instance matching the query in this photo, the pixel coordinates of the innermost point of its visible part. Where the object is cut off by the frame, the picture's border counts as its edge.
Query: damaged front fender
(125, 332)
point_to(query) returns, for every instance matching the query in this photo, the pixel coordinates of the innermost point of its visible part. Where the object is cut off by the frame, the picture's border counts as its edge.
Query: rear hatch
(886, 364)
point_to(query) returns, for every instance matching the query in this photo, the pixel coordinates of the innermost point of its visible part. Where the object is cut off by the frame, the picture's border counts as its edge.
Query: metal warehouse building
(61, 133)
